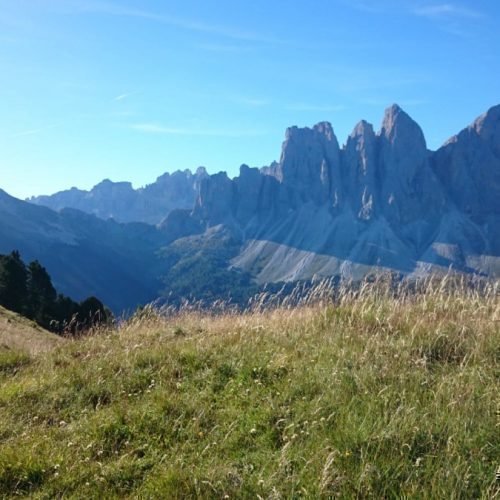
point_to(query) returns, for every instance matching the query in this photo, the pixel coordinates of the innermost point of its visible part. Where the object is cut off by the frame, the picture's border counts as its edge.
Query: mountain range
(383, 201)
(120, 201)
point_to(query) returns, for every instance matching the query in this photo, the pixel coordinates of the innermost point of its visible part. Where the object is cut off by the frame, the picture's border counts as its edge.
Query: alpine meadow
(189, 310)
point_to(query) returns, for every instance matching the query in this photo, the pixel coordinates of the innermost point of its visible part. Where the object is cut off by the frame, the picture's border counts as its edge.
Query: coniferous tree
(30, 292)
(13, 278)
(92, 312)
(66, 314)
(41, 295)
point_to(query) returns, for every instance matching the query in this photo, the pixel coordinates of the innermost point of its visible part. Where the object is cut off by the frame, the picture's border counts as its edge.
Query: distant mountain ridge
(381, 202)
(86, 255)
(120, 201)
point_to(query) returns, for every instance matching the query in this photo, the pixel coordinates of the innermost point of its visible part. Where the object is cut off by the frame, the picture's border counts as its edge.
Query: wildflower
(253, 431)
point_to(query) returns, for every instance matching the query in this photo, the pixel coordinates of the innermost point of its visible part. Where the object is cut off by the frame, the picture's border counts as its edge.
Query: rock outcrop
(468, 166)
(382, 201)
(360, 168)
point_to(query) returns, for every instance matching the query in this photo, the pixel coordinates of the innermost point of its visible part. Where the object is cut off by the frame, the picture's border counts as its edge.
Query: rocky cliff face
(360, 166)
(309, 167)
(468, 165)
(383, 200)
(118, 200)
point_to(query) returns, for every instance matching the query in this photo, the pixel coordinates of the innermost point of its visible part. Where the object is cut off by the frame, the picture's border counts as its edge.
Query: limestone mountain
(381, 202)
(120, 201)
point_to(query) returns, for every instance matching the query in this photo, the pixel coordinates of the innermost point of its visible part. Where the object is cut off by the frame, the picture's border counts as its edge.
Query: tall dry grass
(380, 390)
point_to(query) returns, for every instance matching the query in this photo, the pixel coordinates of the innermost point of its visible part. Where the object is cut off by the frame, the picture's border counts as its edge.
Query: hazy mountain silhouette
(120, 201)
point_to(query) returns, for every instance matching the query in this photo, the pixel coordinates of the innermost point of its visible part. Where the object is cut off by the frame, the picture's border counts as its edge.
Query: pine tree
(92, 312)
(41, 295)
(29, 291)
(13, 282)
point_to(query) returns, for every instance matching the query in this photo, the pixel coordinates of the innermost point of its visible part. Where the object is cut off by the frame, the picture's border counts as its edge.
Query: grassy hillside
(19, 334)
(367, 396)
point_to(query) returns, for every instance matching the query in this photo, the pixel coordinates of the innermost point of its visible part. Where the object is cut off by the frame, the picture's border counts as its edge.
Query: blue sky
(127, 90)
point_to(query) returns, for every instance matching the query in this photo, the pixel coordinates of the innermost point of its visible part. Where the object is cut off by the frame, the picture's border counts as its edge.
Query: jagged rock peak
(326, 129)
(271, 169)
(186, 173)
(363, 128)
(487, 127)
(391, 115)
(310, 162)
(107, 183)
(490, 119)
(246, 170)
(399, 126)
(468, 165)
(322, 129)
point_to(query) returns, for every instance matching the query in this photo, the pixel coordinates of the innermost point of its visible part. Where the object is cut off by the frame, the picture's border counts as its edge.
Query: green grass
(371, 397)
(20, 336)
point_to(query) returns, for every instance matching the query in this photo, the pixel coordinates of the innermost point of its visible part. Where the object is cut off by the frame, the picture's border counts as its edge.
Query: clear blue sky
(127, 90)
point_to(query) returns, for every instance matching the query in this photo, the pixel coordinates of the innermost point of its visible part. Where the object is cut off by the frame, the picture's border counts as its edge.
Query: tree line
(28, 290)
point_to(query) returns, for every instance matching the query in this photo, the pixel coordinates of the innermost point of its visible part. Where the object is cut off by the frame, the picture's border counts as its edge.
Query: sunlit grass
(357, 394)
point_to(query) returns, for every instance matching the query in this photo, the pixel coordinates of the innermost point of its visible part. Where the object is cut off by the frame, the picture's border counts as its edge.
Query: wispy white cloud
(33, 131)
(446, 10)
(429, 9)
(126, 95)
(114, 9)
(451, 18)
(156, 128)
